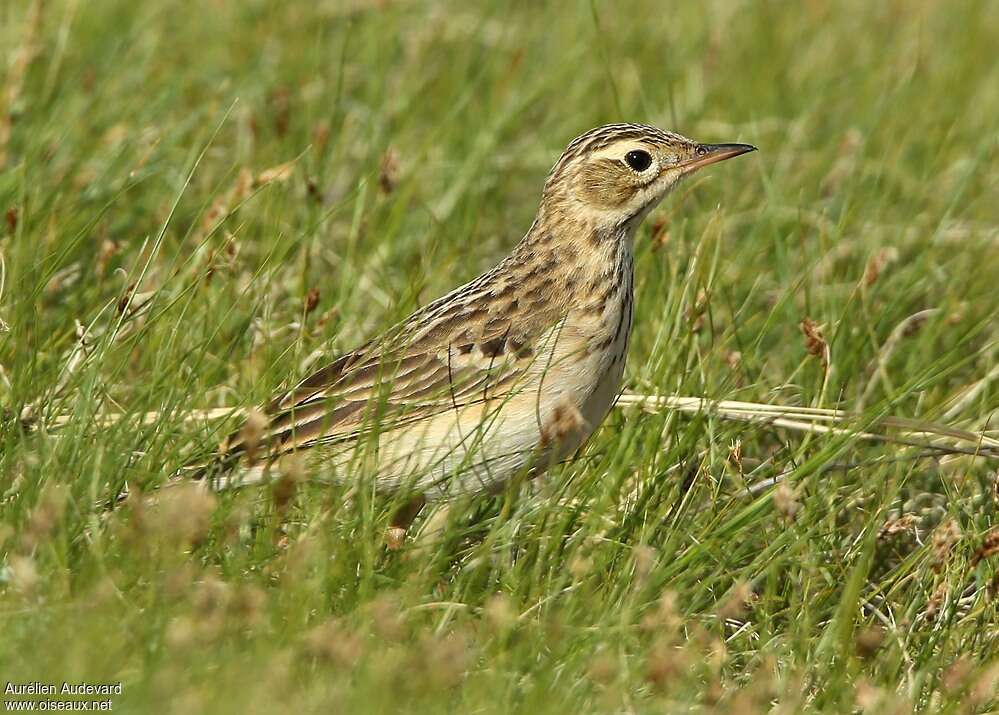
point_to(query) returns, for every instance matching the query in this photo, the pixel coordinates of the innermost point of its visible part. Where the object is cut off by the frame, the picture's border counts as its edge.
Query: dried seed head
(716, 655)
(23, 573)
(869, 697)
(321, 135)
(786, 501)
(739, 598)
(815, 342)
(46, 515)
(280, 106)
(566, 421)
(252, 432)
(869, 640)
(985, 687)
(499, 612)
(334, 643)
(663, 663)
(388, 171)
(665, 617)
(956, 676)
(992, 589)
(877, 263)
(735, 456)
(181, 633)
(945, 537)
(385, 614)
(660, 231)
(211, 595)
(580, 565)
(275, 174)
(126, 298)
(446, 659)
(291, 473)
(645, 560)
(935, 602)
(179, 580)
(183, 513)
(107, 251)
(311, 300)
(695, 313)
(230, 248)
(602, 669)
(989, 547)
(900, 525)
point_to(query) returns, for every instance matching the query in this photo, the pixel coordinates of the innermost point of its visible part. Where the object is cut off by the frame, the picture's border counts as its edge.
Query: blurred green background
(201, 201)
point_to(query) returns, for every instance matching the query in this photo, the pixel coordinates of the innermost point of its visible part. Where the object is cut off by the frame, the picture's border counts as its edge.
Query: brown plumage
(512, 370)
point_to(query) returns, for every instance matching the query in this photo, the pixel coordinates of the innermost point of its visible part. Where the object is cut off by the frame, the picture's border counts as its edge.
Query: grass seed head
(320, 135)
(737, 603)
(897, 525)
(645, 560)
(984, 688)
(660, 232)
(46, 515)
(499, 612)
(566, 420)
(869, 640)
(877, 263)
(247, 605)
(580, 565)
(665, 619)
(446, 659)
(868, 697)
(815, 342)
(252, 432)
(936, 601)
(957, 675)
(602, 669)
(183, 514)
(334, 643)
(388, 171)
(23, 573)
(989, 547)
(786, 501)
(385, 614)
(291, 473)
(311, 300)
(945, 537)
(664, 663)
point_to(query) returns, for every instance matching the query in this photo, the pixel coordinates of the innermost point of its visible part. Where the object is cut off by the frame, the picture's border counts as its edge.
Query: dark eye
(638, 160)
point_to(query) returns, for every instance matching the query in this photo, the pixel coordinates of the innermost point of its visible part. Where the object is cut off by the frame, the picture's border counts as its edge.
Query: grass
(178, 178)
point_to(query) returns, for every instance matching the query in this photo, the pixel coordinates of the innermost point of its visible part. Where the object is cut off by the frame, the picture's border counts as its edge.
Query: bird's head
(615, 174)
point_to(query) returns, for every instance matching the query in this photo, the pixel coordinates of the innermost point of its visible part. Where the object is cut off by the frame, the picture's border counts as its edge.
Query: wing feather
(441, 358)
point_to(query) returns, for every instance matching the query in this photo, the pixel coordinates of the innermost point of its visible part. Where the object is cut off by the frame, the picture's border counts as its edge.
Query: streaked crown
(618, 172)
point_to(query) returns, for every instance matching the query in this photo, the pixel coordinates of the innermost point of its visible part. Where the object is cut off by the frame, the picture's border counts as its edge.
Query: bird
(503, 376)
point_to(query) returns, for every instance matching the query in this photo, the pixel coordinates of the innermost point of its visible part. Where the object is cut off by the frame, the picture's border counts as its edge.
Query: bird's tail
(219, 471)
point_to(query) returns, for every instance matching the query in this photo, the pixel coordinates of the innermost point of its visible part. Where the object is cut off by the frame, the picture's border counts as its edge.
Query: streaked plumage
(511, 371)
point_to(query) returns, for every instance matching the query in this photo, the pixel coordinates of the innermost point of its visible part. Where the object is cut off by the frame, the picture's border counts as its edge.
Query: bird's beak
(706, 154)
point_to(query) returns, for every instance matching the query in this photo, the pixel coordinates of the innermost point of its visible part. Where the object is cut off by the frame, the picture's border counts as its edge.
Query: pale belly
(476, 450)
(561, 401)
(480, 449)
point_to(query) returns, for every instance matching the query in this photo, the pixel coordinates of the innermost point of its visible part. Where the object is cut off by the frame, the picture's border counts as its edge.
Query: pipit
(504, 376)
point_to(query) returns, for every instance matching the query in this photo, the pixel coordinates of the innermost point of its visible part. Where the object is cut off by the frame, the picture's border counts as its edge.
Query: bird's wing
(449, 355)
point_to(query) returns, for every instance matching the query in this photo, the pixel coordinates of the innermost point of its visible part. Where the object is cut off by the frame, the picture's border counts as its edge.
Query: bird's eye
(638, 160)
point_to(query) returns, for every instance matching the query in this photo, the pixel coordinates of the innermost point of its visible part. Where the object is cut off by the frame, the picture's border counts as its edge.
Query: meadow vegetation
(199, 202)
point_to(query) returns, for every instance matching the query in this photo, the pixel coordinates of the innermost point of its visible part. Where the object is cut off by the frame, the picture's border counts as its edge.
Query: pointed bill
(712, 153)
